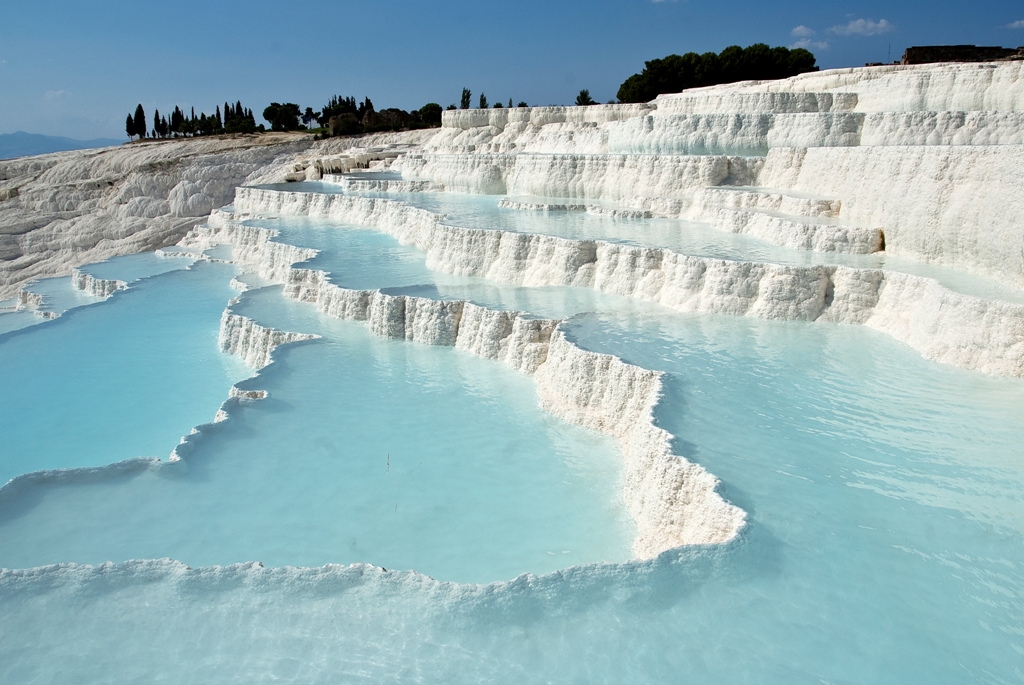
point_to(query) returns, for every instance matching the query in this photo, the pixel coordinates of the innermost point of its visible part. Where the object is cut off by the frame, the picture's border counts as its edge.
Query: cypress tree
(466, 95)
(156, 121)
(129, 127)
(584, 98)
(483, 101)
(140, 122)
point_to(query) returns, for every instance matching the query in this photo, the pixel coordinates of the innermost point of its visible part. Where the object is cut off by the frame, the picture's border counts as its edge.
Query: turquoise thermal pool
(394, 511)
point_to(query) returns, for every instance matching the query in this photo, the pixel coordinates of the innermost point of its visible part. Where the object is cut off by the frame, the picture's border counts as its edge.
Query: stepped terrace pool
(370, 507)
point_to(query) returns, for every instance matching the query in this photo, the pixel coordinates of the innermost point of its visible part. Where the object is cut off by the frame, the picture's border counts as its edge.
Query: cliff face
(67, 209)
(921, 161)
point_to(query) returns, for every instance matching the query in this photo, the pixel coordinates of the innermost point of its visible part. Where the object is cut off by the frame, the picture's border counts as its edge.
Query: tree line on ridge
(346, 116)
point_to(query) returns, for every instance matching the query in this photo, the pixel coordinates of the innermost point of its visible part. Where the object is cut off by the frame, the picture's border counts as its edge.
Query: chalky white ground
(925, 162)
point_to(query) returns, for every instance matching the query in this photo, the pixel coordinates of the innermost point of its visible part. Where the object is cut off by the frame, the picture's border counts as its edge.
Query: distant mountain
(21, 144)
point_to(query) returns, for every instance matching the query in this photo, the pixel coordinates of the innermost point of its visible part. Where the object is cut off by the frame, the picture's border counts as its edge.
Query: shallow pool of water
(884, 544)
(686, 237)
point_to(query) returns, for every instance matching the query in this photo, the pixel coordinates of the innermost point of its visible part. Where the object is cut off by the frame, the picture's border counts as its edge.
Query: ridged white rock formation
(255, 344)
(365, 185)
(80, 207)
(994, 86)
(957, 206)
(28, 300)
(974, 333)
(97, 287)
(609, 177)
(927, 156)
(541, 206)
(87, 474)
(673, 501)
(64, 210)
(596, 210)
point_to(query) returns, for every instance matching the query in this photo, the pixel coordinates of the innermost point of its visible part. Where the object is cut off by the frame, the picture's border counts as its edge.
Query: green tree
(431, 113)
(270, 112)
(140, 122)
(336, 107)
(282, 117)
(129, 127)
(177, 119)
(522, 104)
(510, 103)
(466, 95)
(483, 101)
(676, 73)
(584, 98)
(365, 109)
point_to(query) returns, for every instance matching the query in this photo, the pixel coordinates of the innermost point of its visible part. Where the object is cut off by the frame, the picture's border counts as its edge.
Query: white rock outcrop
(255, 344)
(942, 325)
(673, 501)
(921, 160)
(97, 287)
(925, 163)
(64, 210)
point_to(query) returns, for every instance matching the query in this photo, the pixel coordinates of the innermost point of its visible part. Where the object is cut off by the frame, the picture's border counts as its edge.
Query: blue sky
(76, 69)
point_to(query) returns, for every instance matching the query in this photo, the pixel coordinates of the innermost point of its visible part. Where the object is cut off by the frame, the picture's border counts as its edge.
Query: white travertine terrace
(97, 287)
(255, 344)
(365, 185)
(830, 168)
(64, 210)
(673, 501)
(942, 325)
(925, 163)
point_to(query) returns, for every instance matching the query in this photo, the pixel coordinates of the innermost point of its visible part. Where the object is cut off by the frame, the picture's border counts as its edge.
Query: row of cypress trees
(343, 115)
(235, 119)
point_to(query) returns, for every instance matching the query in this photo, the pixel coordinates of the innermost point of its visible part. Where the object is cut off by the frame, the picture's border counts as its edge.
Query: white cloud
(1016, 25)
(54, 94)
(807, 44)
(801, 31)
(863, 27)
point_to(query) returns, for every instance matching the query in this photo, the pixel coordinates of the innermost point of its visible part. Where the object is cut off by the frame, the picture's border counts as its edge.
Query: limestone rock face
(67, 209)
(673, 501)
(921, 162)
